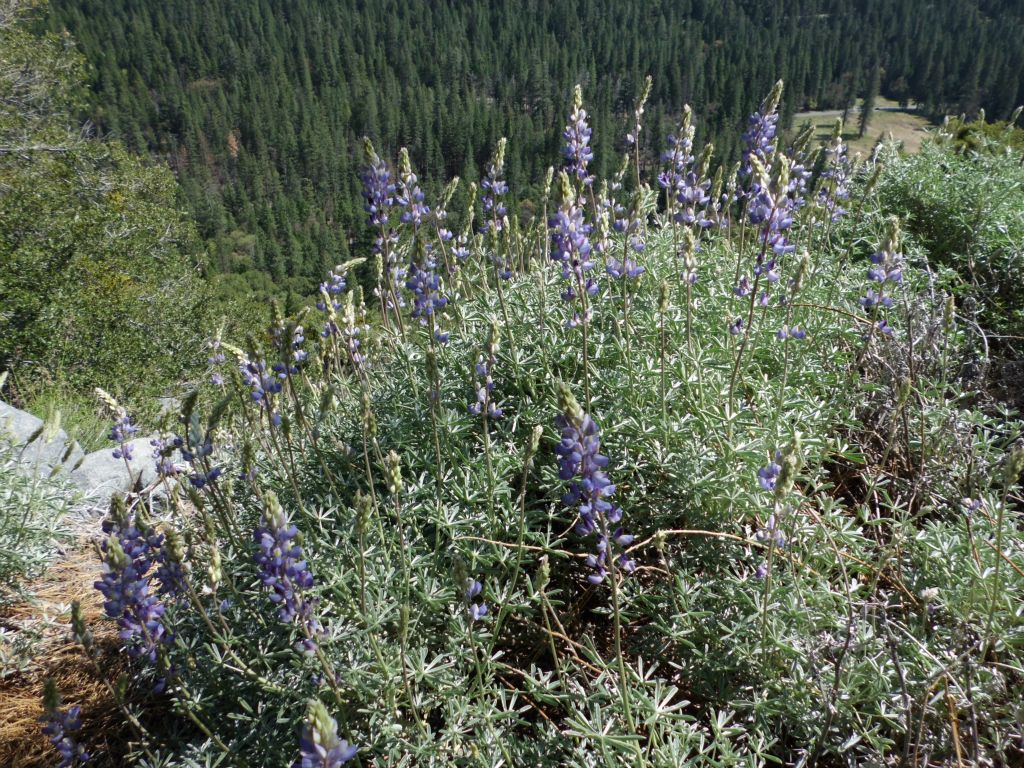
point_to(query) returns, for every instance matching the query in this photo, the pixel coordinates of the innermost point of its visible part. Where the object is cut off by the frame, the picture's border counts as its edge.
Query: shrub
(718, 503)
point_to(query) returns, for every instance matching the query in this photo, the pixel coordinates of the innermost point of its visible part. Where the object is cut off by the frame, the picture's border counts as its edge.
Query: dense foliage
(259, 105)
(964, 208)
(96, 282)
(618, 488)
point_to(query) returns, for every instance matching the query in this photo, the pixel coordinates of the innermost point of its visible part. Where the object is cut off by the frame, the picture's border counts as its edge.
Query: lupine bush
(735, 508)
(966, 209)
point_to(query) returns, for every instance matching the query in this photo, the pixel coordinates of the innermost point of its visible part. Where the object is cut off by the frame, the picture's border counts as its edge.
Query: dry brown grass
(56, 655)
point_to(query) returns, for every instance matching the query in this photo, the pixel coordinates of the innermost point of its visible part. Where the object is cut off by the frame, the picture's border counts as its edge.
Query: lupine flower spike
(379, 194)
(571, 247)
(60, 726)
(577, 133)
(582, 465)
(319, 745)
(128, 555)
(283, 570)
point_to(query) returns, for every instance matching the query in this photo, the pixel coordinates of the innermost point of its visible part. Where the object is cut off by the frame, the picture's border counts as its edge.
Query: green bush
(852, 612)
(967, 211)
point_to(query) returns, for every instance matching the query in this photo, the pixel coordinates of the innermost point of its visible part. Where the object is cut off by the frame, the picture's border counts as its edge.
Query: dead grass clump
(54, 654)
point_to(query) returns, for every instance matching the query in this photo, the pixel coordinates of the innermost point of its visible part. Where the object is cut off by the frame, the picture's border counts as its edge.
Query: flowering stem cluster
(284, 571)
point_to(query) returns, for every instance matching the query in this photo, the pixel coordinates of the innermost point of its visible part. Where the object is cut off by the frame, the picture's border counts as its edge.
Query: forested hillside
(259, 105)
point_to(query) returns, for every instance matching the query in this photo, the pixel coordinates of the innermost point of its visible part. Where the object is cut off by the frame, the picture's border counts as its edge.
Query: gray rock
(37, 450)
(100, 475)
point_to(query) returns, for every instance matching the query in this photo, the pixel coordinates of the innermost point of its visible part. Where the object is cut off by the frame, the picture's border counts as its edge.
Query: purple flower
(121, 433)
(378, 190)
(476, 610)
(330, 289)
(571, 247)
(771, 532)
(425, 285)
(759, 139)
(59, 726)
(767, 475)
(483, 400)
(871, 299)
(284, 571)
(319, 745)
(128, 555)
(494, 188)
(834, 190)
(577, 133)
(581, 464)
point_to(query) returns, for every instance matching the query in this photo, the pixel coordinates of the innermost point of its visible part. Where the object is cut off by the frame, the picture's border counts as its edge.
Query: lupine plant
(782, 572)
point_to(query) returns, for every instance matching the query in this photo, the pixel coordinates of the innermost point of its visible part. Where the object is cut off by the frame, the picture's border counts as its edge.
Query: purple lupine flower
(769, 474)
(284, 571)
(196, 448)
(263, 387)
(215, 360)
(494, 188)
(476, 610)
(425, 285)
(351, 331)
(121, 433)
(970, 506)
(684, 183)
(483, 401)
(378, 189)
(581, 464)
(771, 208)
(871, 299)
(59, 726)
(379, 192)
(759, 139)
(330, 289)
(771, 533)
(885, 270)
(422, 279)
(288, 339)
(836, 177)
(679, 158)
(736, 327)
(794, 332)
(128, 555)
(170, 570)
(409, 197)
(627, 222)
(577, 133)
(163, 451)
(571, 247)
(319, 745)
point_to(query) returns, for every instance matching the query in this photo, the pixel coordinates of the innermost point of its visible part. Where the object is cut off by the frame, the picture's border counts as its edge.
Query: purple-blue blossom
(60, 727)
(284, 571)
(128, 555)
(581, 464)
(121, 433)
(578, 152)
(759, 138)
(378, 189)
(476, 609)
(319, 745)
(571, 247)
